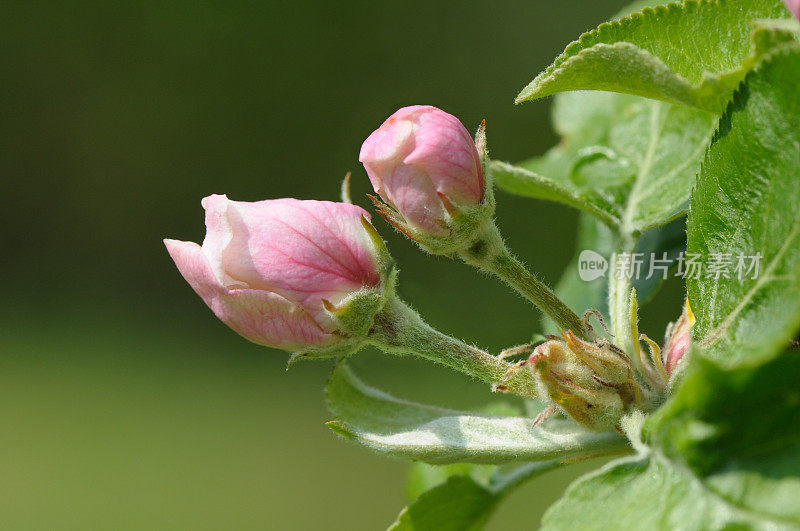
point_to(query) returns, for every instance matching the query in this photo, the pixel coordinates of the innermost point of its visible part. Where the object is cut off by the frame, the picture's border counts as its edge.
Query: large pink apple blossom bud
(424, 164)
(275, 271)
(794, 7)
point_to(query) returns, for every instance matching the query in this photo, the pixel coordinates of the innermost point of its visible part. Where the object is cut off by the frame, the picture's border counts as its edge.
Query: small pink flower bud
(423, 163)
(272, 270)
(794, 7)
(680, 338)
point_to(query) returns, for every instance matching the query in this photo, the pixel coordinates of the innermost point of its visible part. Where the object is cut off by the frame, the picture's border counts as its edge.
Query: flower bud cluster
(594, 383)
(315, 278)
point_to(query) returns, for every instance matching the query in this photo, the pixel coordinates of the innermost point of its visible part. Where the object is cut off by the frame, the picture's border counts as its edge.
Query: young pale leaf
(745, 214)
(585, 120)
(627, 160)
(423, 477)
(464, 502)
(694, 53)
(435, 435)
(723, 454)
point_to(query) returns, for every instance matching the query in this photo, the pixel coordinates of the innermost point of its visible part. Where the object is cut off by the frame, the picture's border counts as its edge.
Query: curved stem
(490, 253)
(400, 330)
(619, 295)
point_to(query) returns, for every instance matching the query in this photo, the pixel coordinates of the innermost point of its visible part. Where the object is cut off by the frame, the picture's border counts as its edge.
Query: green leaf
(693, 53)
(463, 503)
(584, 121)
(423, 477)
(639, 5)
(629, 161)
(435, 435)
(738, 433)
(642, 493)
(458, 504)
(745, 204)
(724, 454)
(521, 181)
(664, 144)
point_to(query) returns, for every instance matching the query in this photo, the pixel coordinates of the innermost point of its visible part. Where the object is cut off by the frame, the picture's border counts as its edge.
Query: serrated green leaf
(693, 53)
(745, 205)
(435, 435)
(629, 161)
(724, 453)
(639, 5)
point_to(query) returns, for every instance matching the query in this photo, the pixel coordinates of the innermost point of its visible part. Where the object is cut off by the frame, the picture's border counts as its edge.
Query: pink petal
(676, 351)
(262, 317)
(218, 235)
(385, 149)
(412, 193)
(303, 250)
(794, 7)
(444, 149)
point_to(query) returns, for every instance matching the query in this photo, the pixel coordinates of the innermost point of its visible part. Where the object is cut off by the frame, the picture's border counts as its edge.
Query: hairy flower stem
(400, 330)
(489, 253)
(619, 296)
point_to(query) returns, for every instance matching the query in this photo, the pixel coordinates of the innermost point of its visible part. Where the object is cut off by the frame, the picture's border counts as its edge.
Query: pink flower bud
(419, 154)
(794, 7)
(268, 269)
(680, 338)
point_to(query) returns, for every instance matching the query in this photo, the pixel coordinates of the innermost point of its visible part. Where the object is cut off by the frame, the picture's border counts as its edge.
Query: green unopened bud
(591, 382)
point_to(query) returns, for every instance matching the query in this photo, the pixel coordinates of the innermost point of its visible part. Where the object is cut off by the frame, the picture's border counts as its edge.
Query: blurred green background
(123, 402)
